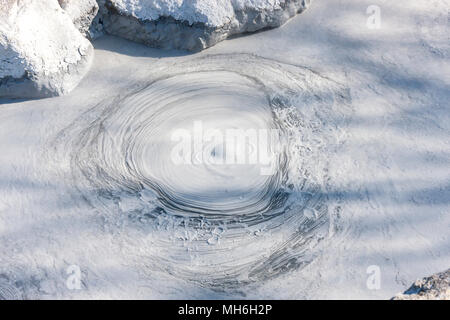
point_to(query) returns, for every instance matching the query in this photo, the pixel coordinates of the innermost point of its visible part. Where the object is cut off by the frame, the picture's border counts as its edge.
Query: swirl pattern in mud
(221, 224)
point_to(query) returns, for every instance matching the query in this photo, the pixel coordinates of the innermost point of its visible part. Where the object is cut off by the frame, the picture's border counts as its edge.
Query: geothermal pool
(284, 164)
(224, 223)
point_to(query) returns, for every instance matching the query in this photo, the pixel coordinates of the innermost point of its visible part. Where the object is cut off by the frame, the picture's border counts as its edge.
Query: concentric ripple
(219, 224)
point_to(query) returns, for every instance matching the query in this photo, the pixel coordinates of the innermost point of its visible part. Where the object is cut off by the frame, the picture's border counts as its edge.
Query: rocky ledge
(82, 13)
(435, 287)
(42, 53)
(192, 25)
(44, 46)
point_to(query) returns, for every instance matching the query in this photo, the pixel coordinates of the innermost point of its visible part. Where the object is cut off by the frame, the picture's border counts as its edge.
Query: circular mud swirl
(219, 224)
